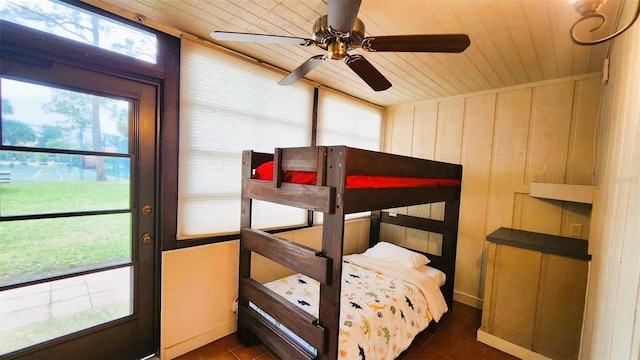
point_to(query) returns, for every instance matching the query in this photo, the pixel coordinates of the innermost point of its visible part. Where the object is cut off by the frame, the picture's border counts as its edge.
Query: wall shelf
(564, 192)
(544, 243)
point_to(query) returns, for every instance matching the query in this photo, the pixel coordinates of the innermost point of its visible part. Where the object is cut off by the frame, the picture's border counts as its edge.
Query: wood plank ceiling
(512, 41)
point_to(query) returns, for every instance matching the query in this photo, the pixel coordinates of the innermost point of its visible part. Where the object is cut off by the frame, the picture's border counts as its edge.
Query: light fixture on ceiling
(589, 9)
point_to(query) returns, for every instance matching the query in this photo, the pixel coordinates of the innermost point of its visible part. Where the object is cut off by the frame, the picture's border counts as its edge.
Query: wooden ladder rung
(292, 317)
(274, 338)
(297, 257)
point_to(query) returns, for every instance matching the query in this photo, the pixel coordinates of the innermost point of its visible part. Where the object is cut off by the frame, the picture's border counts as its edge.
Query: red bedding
(265, 172)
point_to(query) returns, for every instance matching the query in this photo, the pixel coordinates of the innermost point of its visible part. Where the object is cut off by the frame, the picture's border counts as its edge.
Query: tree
(79, 25)
(65, 20)
(16, 132)
(52, 134)
(138, 49)
(82, 112)
(7, 108)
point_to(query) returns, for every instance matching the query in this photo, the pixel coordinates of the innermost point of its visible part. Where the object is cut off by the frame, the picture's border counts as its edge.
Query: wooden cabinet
(534, 294)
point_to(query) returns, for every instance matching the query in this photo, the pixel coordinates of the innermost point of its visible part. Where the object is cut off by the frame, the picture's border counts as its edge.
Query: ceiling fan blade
(260, 38)
(449, 43)
(302, 70)
(367, 72)
(342, 14)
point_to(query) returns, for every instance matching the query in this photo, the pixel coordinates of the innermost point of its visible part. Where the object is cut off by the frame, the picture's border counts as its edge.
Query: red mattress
(265, 172)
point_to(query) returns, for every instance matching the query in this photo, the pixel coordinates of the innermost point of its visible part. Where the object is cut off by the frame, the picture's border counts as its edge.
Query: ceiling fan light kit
(589, 9)
(340, 31)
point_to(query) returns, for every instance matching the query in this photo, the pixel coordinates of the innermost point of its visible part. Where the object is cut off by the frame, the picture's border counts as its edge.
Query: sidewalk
(68, 305)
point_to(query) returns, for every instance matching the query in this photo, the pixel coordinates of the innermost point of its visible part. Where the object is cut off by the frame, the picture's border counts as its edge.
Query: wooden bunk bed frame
(331, 196)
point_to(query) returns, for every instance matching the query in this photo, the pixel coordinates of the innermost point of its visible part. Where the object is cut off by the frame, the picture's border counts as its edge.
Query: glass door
(77, 209)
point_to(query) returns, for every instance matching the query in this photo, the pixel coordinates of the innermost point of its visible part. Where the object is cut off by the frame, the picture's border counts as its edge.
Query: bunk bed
(335, 180)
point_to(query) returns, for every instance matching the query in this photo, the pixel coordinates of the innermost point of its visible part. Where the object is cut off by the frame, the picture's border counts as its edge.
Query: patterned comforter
(380, 314)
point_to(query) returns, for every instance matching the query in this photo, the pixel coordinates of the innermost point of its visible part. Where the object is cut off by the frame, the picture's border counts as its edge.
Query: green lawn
(31, 249)
(46, 197)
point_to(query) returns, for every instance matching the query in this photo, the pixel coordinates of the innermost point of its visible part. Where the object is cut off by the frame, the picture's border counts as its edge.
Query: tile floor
(455, 338)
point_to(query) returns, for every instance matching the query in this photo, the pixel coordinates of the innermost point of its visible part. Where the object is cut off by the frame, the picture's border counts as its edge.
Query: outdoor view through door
(70, 255)
(40, 183)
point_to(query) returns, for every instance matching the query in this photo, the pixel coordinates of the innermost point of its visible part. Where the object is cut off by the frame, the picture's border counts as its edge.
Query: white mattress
(434, 273)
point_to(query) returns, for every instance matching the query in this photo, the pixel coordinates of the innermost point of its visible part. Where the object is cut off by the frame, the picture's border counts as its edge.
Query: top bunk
(326, 178)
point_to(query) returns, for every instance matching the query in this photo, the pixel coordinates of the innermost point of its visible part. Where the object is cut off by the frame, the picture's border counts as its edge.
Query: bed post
(450, 242)
(332, 245)
(244, 334)
(374, 227)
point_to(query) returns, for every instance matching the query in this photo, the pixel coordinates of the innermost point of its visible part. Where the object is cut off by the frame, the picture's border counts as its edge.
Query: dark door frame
(28, 45)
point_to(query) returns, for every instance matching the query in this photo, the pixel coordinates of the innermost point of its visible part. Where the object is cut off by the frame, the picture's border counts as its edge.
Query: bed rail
(360, 162)
(364, 199)
(310, 197)
(297, 257)
(435, 226)
(302, 159)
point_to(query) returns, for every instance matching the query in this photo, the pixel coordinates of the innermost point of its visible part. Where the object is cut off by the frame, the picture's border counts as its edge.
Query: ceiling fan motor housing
(323, 34)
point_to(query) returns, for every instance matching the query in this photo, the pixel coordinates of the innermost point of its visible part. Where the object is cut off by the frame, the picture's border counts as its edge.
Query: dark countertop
(550, 244)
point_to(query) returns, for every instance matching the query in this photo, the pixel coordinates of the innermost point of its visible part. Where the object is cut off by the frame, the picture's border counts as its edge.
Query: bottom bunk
(388, 296)
(383, 305)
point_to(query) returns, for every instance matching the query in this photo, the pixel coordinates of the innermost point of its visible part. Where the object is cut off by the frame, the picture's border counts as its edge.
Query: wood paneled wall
(505, 139)
(612, 315)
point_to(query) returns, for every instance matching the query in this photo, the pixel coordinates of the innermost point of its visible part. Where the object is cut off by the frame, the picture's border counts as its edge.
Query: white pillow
(395, 254)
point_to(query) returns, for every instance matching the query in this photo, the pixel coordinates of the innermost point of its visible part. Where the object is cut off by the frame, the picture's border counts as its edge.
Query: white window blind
(227, 105)
(343, 120)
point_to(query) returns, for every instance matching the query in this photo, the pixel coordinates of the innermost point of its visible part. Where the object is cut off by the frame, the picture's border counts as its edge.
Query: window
(227, 105)
(56, 178)
(343, 120)
(71, 22)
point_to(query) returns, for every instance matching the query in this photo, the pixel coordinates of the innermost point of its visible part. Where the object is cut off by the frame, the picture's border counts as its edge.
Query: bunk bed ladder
(300, 259)
(297, 257)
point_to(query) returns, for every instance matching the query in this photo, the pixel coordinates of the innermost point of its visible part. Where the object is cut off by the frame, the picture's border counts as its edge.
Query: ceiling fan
(340, 31)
